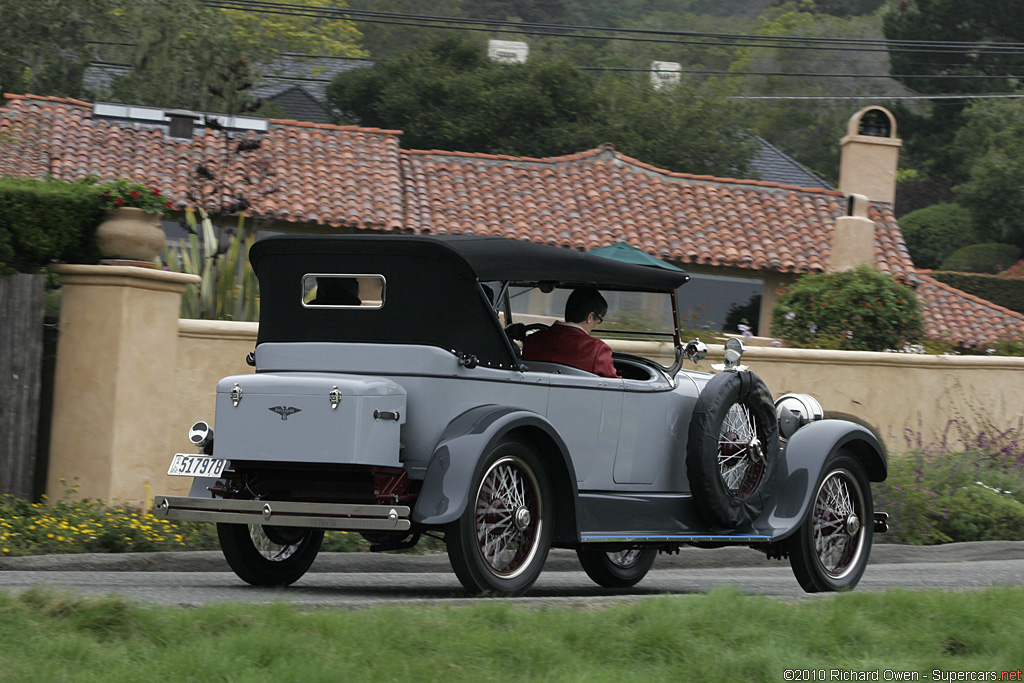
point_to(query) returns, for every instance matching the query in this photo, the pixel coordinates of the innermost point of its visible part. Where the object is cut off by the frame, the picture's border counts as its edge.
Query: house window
(720, 303)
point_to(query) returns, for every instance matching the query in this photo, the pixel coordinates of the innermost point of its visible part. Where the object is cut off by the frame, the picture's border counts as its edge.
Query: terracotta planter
(130, 234)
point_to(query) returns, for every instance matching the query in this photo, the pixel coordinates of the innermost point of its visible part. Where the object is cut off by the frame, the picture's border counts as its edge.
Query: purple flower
(790, 315)
(776, 343)
(813, 329)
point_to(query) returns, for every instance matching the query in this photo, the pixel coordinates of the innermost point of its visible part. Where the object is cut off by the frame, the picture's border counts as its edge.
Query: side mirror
(696, 350)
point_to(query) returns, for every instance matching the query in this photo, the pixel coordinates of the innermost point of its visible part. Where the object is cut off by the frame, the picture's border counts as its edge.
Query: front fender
(801, 464)
(454, 464)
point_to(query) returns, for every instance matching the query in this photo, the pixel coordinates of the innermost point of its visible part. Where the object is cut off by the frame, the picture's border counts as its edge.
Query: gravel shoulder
(558, 560)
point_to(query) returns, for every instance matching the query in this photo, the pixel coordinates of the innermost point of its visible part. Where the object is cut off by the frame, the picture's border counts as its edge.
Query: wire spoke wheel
(741, 460)
(509, 517)
(269, 555)
(500, 542)
(279, 548)
(732, 449)
(830, 550)
(619, 568)
(837, 523)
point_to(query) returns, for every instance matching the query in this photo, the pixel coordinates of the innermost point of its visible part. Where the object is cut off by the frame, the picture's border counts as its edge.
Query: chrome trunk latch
(236, 395)
(335, 396)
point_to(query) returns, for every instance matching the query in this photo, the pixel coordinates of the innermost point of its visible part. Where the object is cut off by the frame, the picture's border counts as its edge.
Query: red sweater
(570, 345)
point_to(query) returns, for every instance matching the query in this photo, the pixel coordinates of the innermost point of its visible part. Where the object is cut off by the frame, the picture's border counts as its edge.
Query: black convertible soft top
(489, 259)
(432, 295)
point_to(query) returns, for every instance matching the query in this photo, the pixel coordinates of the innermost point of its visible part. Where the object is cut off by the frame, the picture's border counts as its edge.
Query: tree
(44, 44)
(927, 134)
(269, 33)
(176, 47)
(449, 95)
(992, 145)
(809, 132)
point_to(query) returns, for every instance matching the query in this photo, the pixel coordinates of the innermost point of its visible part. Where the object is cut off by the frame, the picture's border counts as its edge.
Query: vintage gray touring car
(391, 398)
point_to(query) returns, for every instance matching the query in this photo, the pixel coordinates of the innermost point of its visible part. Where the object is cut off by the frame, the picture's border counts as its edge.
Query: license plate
(196, 466)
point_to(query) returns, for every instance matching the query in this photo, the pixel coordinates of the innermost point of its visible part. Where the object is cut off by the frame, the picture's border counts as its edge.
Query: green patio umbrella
(630, 254)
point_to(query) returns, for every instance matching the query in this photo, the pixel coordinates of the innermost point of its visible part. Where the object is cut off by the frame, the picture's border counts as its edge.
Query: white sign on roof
(665, 74)
(508, 51)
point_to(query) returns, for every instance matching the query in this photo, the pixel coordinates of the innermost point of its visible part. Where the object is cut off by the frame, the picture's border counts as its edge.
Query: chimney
(182, 122)
(853, 240)
(870, 154)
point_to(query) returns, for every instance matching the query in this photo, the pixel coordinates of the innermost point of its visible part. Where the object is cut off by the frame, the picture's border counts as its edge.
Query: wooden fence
(21, 352)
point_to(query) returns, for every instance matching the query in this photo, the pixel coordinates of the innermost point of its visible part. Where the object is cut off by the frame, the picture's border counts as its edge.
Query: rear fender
(456, 462)
(802, 462)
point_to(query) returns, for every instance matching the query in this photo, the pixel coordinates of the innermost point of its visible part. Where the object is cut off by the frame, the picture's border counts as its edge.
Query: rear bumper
(277, 513)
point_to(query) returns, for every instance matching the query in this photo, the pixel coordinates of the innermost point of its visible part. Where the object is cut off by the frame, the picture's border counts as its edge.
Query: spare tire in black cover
(732, 448)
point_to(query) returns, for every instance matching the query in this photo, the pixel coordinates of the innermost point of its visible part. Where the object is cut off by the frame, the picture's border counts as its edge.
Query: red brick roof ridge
(47, 98)
(331, 126)
(607, 146)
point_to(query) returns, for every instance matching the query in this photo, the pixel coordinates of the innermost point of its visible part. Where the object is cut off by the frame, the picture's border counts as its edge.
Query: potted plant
(132, 230)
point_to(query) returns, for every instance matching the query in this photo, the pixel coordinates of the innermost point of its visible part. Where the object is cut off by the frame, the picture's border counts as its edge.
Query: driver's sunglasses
(600, 318)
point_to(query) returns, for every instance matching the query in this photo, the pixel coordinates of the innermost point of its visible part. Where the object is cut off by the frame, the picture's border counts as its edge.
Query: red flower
(780, 291)
(169, 205)
(119, 201)
(135, 194)
(868, 304)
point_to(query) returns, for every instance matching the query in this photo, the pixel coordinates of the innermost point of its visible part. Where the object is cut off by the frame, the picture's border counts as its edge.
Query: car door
(587, 411)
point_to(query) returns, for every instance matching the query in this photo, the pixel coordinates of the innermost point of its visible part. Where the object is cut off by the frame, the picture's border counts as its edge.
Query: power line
(989, 96)
(706, 72)
(633, 35)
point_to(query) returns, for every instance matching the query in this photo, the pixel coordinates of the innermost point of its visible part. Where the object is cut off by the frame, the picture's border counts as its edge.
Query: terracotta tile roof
(963, 318)
(332, 175)
(360, 179)
(601, 197)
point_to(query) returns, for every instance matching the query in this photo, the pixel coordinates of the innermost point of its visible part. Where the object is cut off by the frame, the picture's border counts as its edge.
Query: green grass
(47, 636)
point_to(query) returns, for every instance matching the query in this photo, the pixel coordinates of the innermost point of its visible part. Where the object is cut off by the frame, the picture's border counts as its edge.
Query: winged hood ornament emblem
(285, 411)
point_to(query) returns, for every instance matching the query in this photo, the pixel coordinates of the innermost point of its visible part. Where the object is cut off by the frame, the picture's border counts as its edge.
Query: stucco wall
(131, 379)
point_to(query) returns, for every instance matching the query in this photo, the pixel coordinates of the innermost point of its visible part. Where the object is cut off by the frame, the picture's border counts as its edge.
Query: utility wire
(633, 35)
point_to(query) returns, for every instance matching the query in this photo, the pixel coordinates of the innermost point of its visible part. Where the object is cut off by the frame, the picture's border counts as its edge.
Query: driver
(571, 342)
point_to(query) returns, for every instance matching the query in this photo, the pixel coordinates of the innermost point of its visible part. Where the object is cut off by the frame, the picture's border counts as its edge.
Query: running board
(278, 513)
(638, 537)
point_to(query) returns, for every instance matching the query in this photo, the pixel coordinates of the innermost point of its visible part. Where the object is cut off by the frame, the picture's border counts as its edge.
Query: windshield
(633, 315)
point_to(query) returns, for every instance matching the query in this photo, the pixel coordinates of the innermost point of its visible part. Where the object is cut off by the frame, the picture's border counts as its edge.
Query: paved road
(359, 580)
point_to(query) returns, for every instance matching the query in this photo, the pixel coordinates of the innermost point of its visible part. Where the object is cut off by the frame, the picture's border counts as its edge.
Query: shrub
(859, 309)
(967, 487)
(989, 258)
(979, 513)
(935, 232)
(44, 220)
(1008, 292)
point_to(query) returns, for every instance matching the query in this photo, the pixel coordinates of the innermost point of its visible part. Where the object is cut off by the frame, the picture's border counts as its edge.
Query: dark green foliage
(857, 310)
(43, 221)
(912, 195)
(977, 513)
(982, 258)
(44, 45)
(935, 232)
(450, 96)
(1008, 292)
(991, 145)
(955, 20)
